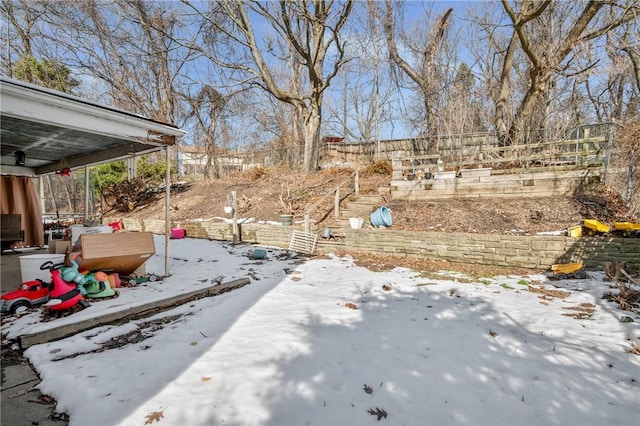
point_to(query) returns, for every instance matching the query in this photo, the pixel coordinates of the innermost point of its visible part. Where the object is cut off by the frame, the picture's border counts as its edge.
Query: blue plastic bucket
(381, 217)
(259, 253)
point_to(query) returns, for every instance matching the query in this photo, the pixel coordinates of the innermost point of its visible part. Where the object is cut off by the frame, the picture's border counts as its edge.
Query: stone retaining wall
(271, 235)
(534, 252)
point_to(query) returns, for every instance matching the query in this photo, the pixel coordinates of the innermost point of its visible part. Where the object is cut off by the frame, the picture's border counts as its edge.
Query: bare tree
(574, 26)
(128, 49)
(206, 107)
(427, 75)
(312, 29)
(20, 21)
(129, 46)
(359, 103)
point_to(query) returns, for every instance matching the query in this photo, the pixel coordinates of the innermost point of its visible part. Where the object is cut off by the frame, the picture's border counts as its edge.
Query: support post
(167, 196)
(630, 179)
(357, 183)
(41, 189)
(307, 225)
(86, 192)
(336, 203)
(235, 217)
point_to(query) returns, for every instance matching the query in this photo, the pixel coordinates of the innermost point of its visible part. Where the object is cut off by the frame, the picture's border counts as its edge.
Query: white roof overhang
(54, 128)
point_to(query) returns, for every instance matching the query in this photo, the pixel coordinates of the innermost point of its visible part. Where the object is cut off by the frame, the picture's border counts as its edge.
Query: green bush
(110, 173)
(115, 173)
(153, 172)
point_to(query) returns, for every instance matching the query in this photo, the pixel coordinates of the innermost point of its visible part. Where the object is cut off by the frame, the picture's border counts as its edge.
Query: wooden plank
(410, 184)
(475, 172)
(542, 157)
(419, 157)
(542, 169)
(541, 145)
(541, 175)
(436, 196)
(129, 314)
(419, 167)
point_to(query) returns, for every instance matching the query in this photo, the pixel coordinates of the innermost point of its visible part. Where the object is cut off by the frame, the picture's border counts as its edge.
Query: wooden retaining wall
(533, 252)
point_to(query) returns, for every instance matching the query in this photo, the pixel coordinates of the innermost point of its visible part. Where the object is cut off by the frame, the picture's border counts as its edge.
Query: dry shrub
(628, 295)
(336, 171)
(244, 204)
(290, 203)
(626, 153)
(258, 172)
(379, 167)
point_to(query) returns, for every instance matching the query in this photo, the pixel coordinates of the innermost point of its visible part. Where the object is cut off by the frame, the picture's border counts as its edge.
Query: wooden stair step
(355, 213)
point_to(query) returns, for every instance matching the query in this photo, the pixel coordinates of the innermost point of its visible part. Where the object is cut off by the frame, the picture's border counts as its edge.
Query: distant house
(332, 139)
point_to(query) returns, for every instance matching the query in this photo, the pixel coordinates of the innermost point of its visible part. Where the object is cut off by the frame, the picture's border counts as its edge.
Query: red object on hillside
(117, 225)
(178, 233)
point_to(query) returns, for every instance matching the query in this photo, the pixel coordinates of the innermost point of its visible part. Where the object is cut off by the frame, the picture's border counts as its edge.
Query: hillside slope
(258, 197)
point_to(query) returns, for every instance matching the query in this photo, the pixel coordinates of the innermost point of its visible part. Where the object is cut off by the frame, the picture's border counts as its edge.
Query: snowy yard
(325, 342)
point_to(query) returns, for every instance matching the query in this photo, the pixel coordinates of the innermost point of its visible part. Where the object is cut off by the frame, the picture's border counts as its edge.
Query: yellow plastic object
(566, 268)
(592, 226)
(627, 229)
(626, 226)
(575, 231)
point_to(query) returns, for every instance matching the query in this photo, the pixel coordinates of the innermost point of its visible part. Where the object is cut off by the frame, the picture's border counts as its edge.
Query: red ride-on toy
(56, 295)
(62, 295)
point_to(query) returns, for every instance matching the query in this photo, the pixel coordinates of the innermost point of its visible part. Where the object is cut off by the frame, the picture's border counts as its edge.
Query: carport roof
(55, 129)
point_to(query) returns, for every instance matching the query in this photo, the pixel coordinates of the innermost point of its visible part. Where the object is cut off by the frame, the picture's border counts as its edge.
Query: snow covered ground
(325, 342)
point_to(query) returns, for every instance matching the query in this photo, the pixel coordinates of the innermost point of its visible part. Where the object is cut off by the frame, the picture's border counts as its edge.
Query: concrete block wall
(518, 185)
(533, 252)
(270, 235)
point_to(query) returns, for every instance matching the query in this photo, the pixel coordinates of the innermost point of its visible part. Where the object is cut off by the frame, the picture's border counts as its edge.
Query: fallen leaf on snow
(377, 412)
(205, 379)
(635, 349)
(351, 305)
(156, 415)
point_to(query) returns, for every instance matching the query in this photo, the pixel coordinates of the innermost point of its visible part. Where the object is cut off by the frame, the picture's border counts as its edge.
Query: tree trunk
(312, 121)
(210, 168)
(504, 93)
(635, 61)
(539, 83)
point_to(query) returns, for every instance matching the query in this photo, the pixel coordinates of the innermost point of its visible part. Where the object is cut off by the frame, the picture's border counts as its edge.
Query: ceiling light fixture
(21, 158)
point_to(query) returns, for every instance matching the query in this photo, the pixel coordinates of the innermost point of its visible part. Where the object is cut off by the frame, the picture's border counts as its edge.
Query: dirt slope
(258, 196)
